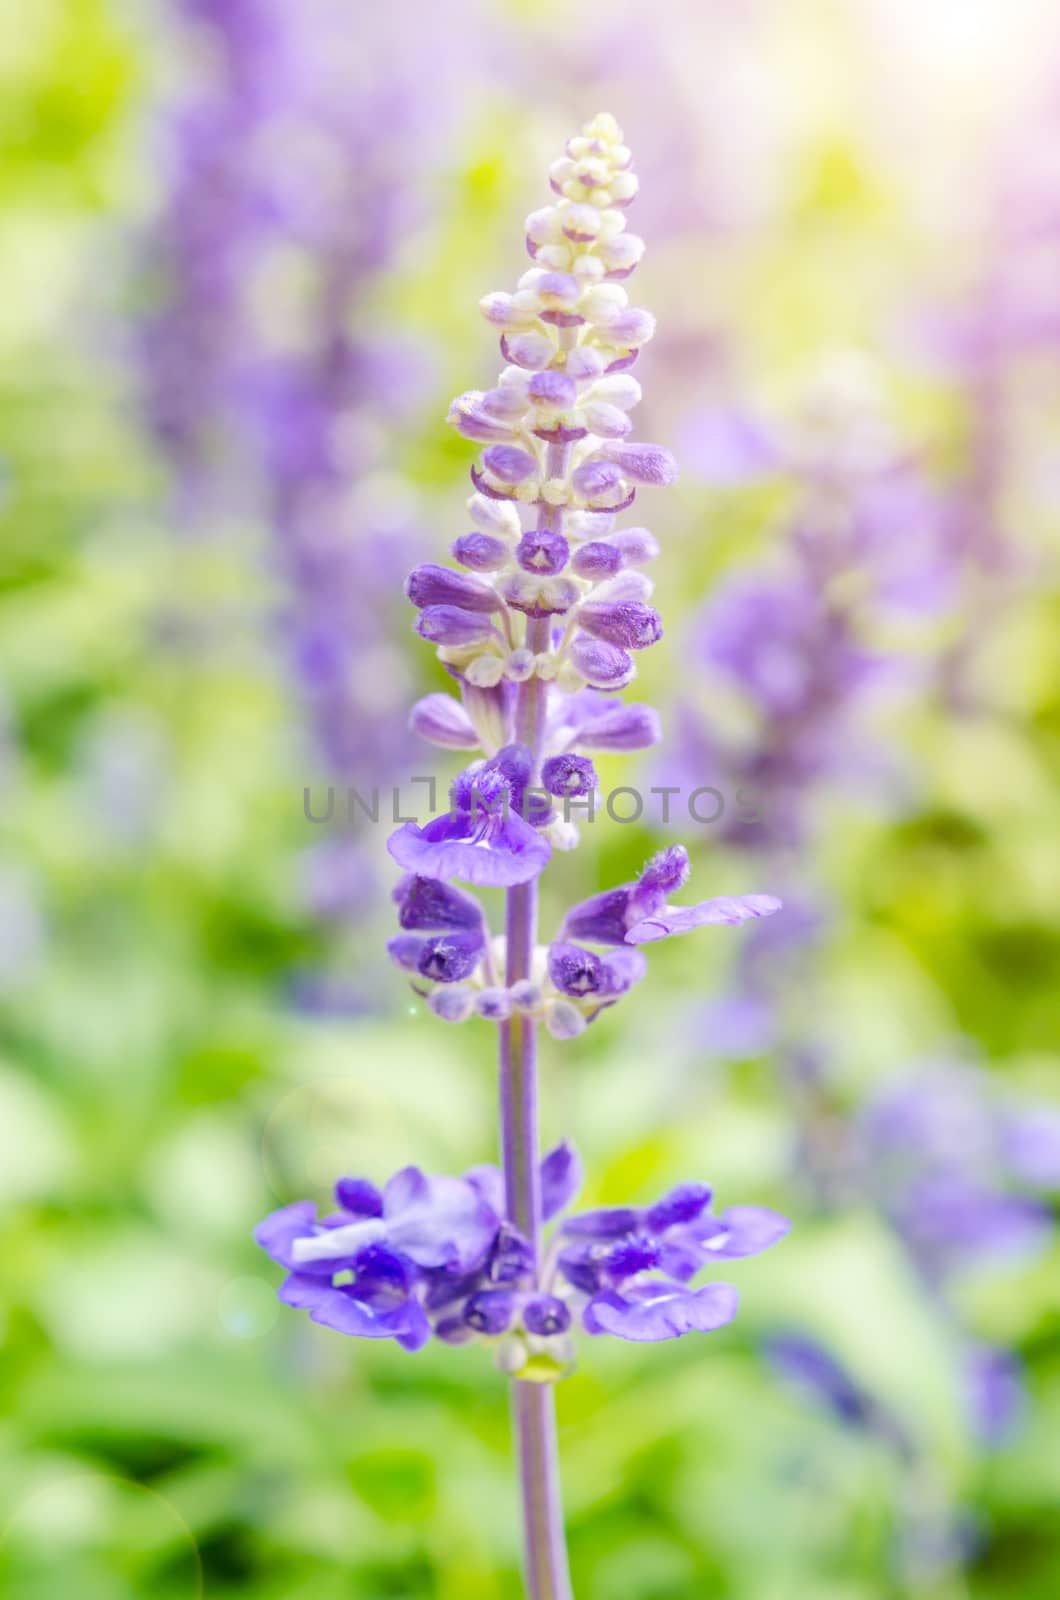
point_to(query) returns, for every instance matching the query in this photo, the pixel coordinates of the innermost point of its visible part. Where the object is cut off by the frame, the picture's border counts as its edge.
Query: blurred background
(243, 244)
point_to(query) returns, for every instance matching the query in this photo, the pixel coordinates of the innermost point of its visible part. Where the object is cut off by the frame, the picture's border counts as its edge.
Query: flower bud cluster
(558, 463)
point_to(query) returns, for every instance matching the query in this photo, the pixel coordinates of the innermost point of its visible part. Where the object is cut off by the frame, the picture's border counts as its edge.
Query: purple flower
(482, 838)
(995, 1392)
(813, 1369)
(637, 913)
(435, 1255)
(634, 1265)
(937, 1160)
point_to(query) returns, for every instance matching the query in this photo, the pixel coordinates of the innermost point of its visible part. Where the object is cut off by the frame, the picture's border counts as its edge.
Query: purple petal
(333, 1308)
(443, 721)
(561, 1178)
(514, 853)
(619, 970)
(279, 1230)
(451, 956)
(644, 463)
(404, 950)
(359, 1196)
(488, 1180)
(666, 872)
(427, 904)
(741, 1231)
(681, 1205)
(664, 1312)
(574, 971)
(602, 919)
(451, 625)
(605, 1222)
(438, 1221)
(683, 919)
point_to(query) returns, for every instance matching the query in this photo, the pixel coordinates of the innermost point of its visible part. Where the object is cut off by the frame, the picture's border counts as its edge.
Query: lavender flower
(539, 629)
(434, 1256)
(945, 1160)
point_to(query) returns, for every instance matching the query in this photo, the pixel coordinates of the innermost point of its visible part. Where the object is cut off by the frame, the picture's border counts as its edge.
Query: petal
(742, 1231)
(644, 463)
(729, 909)
(605, 1222)
(682, 1204)
(514, 854)
(561, 1178)
(406, 1188)
(426, 903)
(601, 919)
(666, 1312)
(331, 1307)
(359, 1196)
(279, 1230)
(443, 721)
(488, 1180)
(447, 1225)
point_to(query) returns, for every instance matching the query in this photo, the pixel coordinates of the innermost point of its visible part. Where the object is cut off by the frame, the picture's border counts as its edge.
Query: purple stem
(533, 1404)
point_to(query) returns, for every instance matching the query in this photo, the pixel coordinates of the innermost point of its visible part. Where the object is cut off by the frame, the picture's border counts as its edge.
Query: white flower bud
(617, 389)
(557, 257)
(485, 672)
(603, 302)
(563, 1019)
(494, 516)
(453, 1002)
(526, 996)
(545, 226)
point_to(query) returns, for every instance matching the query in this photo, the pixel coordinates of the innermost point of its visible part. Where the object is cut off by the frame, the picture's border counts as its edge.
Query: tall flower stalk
(538, 630)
